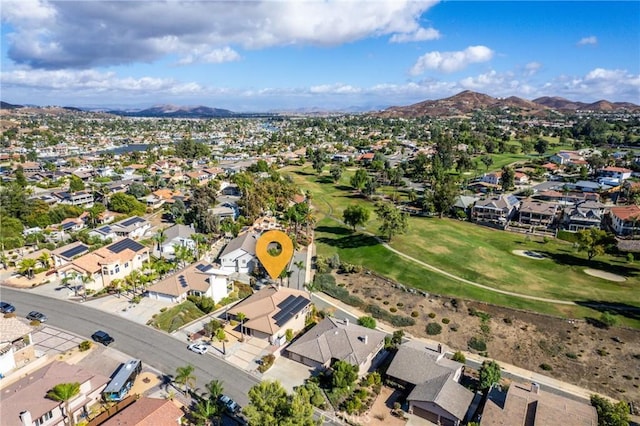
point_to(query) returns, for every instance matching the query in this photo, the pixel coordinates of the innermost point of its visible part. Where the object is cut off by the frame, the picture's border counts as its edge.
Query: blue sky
(286, 54)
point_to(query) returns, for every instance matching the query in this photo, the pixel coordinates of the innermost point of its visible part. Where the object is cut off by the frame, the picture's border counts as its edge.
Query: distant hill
(173, 111)
(465, 103)
(6, 105)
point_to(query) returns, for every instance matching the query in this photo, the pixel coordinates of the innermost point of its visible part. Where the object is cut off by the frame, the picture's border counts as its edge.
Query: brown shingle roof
(147, 412)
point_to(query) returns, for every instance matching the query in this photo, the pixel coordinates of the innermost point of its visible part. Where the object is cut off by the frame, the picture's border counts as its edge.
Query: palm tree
(45, 259)
(241, 317)
(26, 267)
(160, 238)
(222, 337)
(85, 279)
(215, 389)
(201, 244)
(185, 377)
(299, 264)
(64, 392)
(204, 412)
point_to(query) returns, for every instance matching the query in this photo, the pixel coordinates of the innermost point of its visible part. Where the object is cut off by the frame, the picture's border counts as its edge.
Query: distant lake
(134, 147)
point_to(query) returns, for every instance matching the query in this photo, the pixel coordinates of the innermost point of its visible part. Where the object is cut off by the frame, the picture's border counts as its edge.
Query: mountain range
(462, 104)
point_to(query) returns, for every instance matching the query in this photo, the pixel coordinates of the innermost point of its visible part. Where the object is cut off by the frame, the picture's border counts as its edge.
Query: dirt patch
(145, 381)
(605, 275)
(602, 360)
(380, 412)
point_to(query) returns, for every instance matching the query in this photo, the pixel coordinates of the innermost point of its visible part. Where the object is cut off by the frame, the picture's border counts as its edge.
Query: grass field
(472, 252)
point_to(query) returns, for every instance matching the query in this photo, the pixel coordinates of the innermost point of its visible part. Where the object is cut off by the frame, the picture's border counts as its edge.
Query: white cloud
(338, 88)
(64, 34)
(214, 56)
(448, 62)
(591, 40)
(532, 68)
(421, 34)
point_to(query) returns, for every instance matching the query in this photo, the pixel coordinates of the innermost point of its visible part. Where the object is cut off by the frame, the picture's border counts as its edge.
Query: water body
(123, 149)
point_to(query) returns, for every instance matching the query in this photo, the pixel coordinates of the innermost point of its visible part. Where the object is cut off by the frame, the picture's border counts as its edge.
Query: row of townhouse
(584, 214)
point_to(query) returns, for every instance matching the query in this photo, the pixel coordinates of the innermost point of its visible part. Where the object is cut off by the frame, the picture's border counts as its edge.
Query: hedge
(572, 237)
(327, 284)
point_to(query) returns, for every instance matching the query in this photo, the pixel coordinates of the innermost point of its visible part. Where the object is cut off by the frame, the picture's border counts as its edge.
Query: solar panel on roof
(286, 302)
(183, 281)
(127, 243)
(74, 251)
(68, 225)
(294, 306)
(131, 221)
(203, 267)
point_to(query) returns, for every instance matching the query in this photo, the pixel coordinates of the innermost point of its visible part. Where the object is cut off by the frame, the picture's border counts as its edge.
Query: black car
(102, 337)
(37, 316)
(7, 308)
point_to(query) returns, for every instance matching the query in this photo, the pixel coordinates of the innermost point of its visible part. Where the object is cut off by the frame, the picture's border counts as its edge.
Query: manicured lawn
(174, 318)
(472, 252)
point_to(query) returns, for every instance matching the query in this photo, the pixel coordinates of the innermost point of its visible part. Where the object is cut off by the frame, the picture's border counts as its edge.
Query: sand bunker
(605, 275)
(530, 254)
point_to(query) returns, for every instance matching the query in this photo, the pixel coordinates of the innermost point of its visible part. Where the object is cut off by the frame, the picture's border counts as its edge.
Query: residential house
(147, 412)
(105, 232)
(528, 405)
(564, 158)
(431, 382)
(25, 402)
(616, 175)
(333, 339)
(625, 220)
(272, 311)
(65, 254)
(583, 215)
(240, 254)
(176, 235)
(80, 198)
(498, 210)
(16, 346)
(152, 201)
(521, 179)
(588, 186)
(464, 203)
(537, 213)
(225, 210)
(115, 261)
(199, 279)
(493, 178)
(133, 227)
(30, 167)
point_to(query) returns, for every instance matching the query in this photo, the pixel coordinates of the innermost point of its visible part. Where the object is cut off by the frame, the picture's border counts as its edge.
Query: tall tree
(488, 375)
(609, 413)
(336, 171)
(508, 178)
(592, 241)
(487, 160)
(64, 392)
(359, 179)
(241, 316)
(443, 195)
(344, 375)
(269, 404)
(355, 215)
(393, 221)
(185, 377)
(541, 146)
(222, 337)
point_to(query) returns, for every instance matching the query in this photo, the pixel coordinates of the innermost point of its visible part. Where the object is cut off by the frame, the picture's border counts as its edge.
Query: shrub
(204, 303)
(432, 315)
(288, 334)
(459, 357)
(266, 362)
(395, 320)
(392, 309)
(163, 309)
(571, 355)
(485, 328)
(34, 323)
(85, 345)
(415, 314)
(507, 321)
(477, 343)
(386, 302)
(446, 320)
(434, 328)
(546, 367)
(367, 321)
(136, 299)
(10, 315)
(602, 352)
(327, 284)
(399, 304)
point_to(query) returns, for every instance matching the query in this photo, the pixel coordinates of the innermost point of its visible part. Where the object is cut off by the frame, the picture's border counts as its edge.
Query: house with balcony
(495, 210)
(625, 220)
(102, 266)
(199, 279)
(16, 344)
(583, 215)
(615, 175)
(80, 198)
(240, 254)
(537, 213)
(25, 402)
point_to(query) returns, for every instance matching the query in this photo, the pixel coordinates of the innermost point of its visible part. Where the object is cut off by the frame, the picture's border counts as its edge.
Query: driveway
(289, 373)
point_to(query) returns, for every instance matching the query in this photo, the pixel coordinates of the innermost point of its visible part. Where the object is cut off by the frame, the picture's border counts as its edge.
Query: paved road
(296, 280)
(155, 348)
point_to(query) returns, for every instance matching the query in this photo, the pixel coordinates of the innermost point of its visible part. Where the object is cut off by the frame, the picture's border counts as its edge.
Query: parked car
(199, 348)
(230, 404)
(102, 337)
(7, 308)
(37, 316)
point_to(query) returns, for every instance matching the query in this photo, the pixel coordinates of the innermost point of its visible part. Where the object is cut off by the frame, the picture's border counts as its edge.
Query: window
(117, 269)
(44, 418)
(126, 265)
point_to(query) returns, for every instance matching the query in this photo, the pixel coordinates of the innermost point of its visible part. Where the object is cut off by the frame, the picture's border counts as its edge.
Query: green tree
(75, 184)
(344, 375)
(64, 392)
(240, 316)
(459, 357)
(222, 337)
(609, 413)
(355, 215)
(336, 171)
(443, 195)
(185, 377)
(127, 204)
(508, 177)
(26, 267)
(359, 179)
(487, 160)
(541, 146)
(608, 319)
(488, 375)
(367, 321)
(268, 404)
(205, 411)
(592, 241)
(393, 221)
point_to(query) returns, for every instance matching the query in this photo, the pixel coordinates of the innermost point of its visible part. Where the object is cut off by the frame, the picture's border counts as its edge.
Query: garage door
(428, 415)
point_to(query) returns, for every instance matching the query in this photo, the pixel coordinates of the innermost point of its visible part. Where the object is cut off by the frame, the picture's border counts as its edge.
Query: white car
(231, 405)
(199, 348)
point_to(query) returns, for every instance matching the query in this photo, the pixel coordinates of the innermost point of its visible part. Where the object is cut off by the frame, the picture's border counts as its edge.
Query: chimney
(439, 348)
(346, 322)
(366, 339)
(25, 417)
(535, 388)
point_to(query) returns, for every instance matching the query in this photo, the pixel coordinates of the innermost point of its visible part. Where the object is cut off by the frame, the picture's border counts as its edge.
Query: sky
(268, 55)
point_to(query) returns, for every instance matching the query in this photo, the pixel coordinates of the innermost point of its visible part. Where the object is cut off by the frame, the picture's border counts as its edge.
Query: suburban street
(155, 348)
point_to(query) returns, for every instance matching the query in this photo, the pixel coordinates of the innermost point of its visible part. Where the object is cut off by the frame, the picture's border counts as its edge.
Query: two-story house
(499, 210)
(625, 220)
